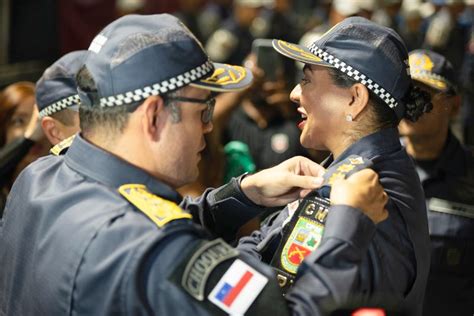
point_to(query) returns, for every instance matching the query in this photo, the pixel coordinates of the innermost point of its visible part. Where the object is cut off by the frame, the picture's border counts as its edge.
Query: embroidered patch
(305, 237)
(60, 148)
(345, 168)
(238, 288)
(280, 143)
(201, 264)
(159, 210)
(227, 75)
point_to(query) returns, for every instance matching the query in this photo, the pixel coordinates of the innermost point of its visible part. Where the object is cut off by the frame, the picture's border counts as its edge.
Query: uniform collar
(112, 171)
(376, 144)
(452, 159)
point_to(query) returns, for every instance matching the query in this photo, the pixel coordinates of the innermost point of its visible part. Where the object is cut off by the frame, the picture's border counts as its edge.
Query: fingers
(303, 166)
(362, 190)
(304, 182)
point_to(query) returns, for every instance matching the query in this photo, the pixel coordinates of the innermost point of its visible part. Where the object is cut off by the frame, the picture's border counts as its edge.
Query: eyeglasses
(206, 116)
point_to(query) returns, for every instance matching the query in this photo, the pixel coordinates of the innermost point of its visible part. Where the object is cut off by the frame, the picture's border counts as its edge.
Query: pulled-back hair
(416, 102)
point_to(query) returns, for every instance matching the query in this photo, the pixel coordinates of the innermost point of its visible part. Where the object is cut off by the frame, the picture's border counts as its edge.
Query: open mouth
(304, 117)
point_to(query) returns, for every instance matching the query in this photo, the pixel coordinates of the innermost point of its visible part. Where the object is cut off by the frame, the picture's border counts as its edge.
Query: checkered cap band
(60, 105)
(159, 88)
(355, 74)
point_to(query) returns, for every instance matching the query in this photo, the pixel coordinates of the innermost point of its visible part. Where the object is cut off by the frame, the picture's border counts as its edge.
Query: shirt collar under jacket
(112, 171)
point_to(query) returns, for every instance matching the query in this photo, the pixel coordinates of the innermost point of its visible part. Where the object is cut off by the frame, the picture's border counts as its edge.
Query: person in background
(446, 171)
(18, 131)
(57, 99)
(233, 41)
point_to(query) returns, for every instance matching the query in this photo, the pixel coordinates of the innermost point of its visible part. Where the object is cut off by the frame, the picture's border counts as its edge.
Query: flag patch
(238, 288)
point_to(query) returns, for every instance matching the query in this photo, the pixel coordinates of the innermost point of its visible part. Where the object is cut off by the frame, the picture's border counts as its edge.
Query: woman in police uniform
(355, 89)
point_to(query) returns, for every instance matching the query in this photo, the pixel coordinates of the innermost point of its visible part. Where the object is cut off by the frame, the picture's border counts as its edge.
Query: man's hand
(362, 190)
(284, 183)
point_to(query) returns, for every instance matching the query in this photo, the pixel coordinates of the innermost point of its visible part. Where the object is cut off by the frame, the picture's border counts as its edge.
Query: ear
(51, 130)
(154, 116)
(360, 99)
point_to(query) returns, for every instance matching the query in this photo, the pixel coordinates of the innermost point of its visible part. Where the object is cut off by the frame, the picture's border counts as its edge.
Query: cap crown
(56, 89)
(371, 54)
(138, 56)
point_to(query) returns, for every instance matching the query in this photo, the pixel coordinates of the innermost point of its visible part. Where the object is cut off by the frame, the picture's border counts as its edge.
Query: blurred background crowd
(253, 129)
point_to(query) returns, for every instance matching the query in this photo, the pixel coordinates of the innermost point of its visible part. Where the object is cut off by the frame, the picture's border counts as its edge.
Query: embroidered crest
(227, 75)
(421, 62)
(296, 51)
(280, 143)
(345, 168)
(159, 210)
(305, 237)
(62, 146)
(201, 264)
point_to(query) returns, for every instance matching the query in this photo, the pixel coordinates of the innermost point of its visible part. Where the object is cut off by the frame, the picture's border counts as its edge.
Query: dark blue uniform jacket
(70, 244)
(449, 187)
(395, 268)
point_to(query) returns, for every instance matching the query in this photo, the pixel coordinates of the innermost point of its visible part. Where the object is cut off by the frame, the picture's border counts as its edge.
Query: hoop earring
(349, 118)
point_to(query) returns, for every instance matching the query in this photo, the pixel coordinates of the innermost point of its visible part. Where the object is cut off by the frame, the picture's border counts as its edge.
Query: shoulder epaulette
(61, 148)
(159, 210)
(345, 168)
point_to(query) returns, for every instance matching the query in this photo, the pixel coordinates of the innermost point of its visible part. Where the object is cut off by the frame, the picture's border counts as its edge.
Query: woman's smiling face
(321, 104)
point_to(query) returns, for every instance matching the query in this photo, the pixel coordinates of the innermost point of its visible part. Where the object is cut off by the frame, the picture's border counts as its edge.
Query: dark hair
(114, 119)
(65, 116)
(416, 101)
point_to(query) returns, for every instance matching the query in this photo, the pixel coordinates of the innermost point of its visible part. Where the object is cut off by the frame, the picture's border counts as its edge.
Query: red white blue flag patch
(238, 288)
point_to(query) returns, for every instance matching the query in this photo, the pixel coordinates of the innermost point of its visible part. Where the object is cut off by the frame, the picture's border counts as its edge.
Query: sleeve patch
(238, 288)
(201, 264)
(159, 210)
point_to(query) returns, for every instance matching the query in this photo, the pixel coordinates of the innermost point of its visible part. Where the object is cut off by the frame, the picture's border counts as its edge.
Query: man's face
(185, 139)
(432, 124)
(320, 104)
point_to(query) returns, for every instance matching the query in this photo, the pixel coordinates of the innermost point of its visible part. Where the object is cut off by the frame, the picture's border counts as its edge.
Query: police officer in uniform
(355, 89)
(57, 98)
(55, 116)
(57, 103)
(446, 170)
(98, 230)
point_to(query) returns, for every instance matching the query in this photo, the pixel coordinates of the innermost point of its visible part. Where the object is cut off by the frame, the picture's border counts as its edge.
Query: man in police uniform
(446, 170)
(57, 99)
(56, 114)
(97, 231)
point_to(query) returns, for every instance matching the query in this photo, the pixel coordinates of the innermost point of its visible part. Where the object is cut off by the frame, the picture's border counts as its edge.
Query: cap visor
(226, 78)
(298, 53)
(436, 84)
